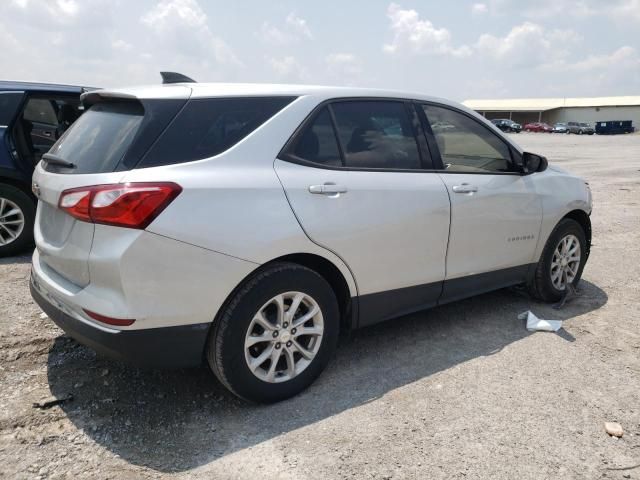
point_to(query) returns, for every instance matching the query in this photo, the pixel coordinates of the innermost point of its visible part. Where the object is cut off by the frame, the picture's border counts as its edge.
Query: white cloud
(623, 58)
(479, 8)
(343, 68)
(413, 35)
(294, 29)
(626, 10)
(287, 68)
(527, 45)
(181, 27)
(168, 13)
(298, 25)
(273, 35)
(543, 9)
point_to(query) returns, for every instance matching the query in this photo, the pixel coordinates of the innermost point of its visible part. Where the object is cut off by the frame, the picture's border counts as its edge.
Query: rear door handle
(327, 189)
(465, 188)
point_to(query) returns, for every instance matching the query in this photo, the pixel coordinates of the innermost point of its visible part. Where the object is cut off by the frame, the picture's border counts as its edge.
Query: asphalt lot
(461, 391)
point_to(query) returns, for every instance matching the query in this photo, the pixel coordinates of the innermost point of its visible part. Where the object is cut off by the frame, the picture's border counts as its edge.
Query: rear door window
(208, 126)
(376, 134)
(98, 140)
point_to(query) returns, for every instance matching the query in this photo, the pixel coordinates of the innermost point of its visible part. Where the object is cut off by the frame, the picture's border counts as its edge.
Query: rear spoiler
(95, 96)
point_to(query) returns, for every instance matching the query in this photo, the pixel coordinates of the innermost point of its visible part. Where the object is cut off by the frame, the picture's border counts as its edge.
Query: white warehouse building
(552, 110)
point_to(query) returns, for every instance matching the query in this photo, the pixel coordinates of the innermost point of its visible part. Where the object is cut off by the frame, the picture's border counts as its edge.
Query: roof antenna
(174, 77)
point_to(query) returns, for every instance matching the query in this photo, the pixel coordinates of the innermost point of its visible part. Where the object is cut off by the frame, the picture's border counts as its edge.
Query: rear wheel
(276, 334)
(17, 214)
(561, 263)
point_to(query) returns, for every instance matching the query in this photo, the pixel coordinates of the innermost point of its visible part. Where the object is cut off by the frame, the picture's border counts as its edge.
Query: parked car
(507, 125)
(581, 128)
(538, 127)
(32, 117)
(561, 128)
(614, 127)
(246, 224)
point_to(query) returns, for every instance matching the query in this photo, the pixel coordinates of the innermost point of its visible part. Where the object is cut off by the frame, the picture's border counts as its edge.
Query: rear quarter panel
(234, 203)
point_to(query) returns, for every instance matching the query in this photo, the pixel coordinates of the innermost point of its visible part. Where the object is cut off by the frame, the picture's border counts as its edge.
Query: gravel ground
(461, 391)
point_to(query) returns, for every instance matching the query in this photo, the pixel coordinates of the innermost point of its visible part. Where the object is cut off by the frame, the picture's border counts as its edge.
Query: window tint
(40, 110)
(9, 102)
(97, 141)
(466, 145)
(376, 134)
(209, 126)
(318, 142)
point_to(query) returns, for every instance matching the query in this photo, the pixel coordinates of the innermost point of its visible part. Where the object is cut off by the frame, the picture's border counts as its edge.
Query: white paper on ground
(535, 324)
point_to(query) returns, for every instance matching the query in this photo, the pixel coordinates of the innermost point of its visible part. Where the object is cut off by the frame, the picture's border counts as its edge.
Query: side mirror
(532, 163)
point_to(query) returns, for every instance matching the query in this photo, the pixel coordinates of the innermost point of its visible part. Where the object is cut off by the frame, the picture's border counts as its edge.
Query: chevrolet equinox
(245, 225)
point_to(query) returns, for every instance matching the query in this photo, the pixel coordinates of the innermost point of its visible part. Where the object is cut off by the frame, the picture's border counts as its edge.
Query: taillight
(132, 205)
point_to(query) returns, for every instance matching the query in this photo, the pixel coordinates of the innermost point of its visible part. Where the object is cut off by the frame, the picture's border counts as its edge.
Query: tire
(15, 237)
(226, 353)
(580, 132)
(541, 285)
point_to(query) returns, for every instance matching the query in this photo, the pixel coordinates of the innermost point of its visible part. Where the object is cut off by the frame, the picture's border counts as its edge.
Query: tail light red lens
(119, 322)
(131, 205)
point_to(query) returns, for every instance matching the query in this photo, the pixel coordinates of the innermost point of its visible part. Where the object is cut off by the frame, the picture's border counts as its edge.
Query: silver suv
(245, 225)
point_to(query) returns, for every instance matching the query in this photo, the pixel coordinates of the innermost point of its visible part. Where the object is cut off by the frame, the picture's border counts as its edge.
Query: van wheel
(276, 334)
(17, 214)
(562, 262)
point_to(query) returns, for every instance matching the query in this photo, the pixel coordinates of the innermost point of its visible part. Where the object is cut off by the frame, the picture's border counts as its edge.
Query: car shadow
(172, 421)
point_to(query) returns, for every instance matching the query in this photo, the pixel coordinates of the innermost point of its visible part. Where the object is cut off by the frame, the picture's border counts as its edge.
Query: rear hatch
(101, 146)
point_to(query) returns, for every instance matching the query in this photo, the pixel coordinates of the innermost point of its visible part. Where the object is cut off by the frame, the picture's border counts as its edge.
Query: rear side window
(376, 134)
(98, 140)
(466, 145)
(318, 143)
(209, 126)
(40, 110)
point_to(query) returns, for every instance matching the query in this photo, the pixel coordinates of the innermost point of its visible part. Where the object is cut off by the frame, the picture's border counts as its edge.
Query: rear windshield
(208, 126)
(98, 140)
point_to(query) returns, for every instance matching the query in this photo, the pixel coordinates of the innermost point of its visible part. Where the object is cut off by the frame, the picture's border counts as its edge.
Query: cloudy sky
(460, 50)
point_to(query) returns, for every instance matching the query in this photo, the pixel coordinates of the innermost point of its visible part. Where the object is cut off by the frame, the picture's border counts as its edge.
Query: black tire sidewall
(232, 357)
(564, 228)
(28, 207)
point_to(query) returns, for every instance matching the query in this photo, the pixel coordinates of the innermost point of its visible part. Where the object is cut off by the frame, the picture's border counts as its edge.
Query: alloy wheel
(565, 262)
(12, 221)
(284, 337)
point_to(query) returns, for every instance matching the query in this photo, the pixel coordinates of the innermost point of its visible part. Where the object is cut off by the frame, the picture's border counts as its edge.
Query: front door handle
(327, 189)
(465, 188)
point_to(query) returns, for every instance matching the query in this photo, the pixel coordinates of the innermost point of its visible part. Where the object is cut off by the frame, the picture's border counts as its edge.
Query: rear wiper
(52, 159)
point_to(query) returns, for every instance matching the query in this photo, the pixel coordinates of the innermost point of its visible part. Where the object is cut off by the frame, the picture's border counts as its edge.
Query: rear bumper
(175, 347)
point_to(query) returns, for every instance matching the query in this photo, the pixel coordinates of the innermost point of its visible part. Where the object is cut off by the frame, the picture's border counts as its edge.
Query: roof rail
(174, 77)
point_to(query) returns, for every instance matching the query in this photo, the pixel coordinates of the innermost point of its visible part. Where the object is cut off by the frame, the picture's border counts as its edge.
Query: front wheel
(561, 263)
(17, 214)
(276, 334)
